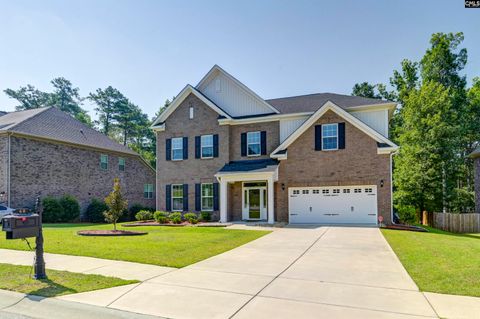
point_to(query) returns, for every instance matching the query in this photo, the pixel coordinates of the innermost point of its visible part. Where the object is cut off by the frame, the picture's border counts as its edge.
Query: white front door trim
(246, 202)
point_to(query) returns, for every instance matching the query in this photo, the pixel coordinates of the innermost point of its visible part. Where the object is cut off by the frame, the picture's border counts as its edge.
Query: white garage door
(333, 205)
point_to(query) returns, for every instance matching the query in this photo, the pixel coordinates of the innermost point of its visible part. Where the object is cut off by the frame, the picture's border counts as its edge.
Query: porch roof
(250, 165)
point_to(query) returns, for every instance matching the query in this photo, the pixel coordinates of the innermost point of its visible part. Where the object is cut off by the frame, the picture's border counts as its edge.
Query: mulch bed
(406, 227)
(183, 224)
(110, 233)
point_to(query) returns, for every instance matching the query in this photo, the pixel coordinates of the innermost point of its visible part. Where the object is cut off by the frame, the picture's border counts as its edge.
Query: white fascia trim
(188, 89)
(387, 150)
(158, 128)
(342, 113)
(371, 107)
(246, 176)
(267, 118)
(215, 68)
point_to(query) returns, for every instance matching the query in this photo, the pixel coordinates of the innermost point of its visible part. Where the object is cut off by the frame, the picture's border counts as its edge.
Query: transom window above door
(177, 148)
(330, 136)
(206, 146)
(253, 144)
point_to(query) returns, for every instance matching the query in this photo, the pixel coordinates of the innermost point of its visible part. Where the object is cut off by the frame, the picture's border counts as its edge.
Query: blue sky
(149, 50)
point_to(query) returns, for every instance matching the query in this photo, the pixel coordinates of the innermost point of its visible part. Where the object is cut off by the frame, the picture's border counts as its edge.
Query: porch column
(223, 201)
(271, 203)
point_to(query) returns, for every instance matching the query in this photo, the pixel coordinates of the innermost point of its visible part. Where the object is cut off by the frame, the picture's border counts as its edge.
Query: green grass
(19, 278)
(163, 246)
(439, 261)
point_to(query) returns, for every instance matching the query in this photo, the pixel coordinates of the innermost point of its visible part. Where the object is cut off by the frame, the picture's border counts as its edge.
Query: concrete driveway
(324, 272)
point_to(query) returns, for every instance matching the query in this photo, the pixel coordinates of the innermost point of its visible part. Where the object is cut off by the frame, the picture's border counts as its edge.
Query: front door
(254, 203)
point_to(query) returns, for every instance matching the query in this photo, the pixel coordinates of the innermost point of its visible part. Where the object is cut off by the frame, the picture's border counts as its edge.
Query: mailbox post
(23, 225)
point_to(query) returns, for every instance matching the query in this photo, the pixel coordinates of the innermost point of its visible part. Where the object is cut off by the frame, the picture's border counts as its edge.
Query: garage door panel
(333, 205)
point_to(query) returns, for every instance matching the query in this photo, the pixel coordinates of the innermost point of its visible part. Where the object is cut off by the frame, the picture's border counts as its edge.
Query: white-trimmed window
(104, 161)
(207, 197)
(177, 197)
(254, 144)
(177, 148)
(206, 146)
(121, 164)
(330, 136)
(148, 191)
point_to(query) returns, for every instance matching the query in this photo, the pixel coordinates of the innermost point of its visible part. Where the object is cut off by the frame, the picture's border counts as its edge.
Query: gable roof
(312, 102)
(186, 91)
(245, 88)
(280, 151)
(52, 124)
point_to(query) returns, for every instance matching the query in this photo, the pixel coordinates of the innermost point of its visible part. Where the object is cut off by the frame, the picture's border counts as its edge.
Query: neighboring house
(318, 158)
(47, 152)
(475, 155)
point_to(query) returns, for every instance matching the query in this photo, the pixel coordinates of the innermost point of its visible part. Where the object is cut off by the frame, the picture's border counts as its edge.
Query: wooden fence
(455, 223)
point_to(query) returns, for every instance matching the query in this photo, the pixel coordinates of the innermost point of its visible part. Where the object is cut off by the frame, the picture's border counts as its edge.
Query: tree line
(436, 125)
(118, 117)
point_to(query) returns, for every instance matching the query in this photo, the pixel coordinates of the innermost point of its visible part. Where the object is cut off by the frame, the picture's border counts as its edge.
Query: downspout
(8, 168)
(391, 185)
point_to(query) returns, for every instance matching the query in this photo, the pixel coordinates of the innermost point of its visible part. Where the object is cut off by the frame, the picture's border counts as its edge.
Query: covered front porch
(247, 190)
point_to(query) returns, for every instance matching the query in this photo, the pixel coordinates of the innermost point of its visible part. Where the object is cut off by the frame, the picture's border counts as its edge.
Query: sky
(150, 50)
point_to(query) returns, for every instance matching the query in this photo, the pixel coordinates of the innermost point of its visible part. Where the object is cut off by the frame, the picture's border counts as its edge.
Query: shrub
(192, 218)
(176, 218)
(134, 209)
(52, 210)
(206, 216)
(407, 214)
(71, 208)
(161, 217)
(144, 215)
(95, 211)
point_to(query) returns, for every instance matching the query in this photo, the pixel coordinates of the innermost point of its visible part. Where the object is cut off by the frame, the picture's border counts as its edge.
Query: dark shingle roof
(312, 102)
(248, 165)
(51, 123)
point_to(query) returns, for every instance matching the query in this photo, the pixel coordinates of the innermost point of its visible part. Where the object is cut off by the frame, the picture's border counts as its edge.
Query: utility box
(21, 226)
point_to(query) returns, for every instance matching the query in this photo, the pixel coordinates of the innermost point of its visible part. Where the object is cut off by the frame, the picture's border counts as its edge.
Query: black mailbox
(21, 226)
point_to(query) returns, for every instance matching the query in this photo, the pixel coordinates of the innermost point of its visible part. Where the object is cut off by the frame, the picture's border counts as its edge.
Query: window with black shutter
(216, 197)
(185, 197)
(168, 197)
(198, 197)
(243, 142)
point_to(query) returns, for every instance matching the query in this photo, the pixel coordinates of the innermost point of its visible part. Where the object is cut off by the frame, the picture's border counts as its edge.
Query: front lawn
(439, 261)
(163, 246)
(19, 278)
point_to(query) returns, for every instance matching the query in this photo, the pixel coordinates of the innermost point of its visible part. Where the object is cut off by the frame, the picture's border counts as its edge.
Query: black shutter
(215, 145)
(197, 146)
(168, 197)
(168, 149)
(185, 197)
(318, 137)
(216, 201)
(341, 136)
(263, 142)
(185, 147)
(198, 197)
(243, 142)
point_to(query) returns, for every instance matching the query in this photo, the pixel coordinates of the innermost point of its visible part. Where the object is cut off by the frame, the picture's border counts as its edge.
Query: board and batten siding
(232, 98)
(378, 120)
(288, 126)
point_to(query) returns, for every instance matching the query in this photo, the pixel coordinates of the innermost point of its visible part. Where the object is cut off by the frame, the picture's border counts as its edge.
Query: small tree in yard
(116, 204)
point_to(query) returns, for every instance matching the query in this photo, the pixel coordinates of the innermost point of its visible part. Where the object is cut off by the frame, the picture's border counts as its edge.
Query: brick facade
(476, 164)
(357, 164)
(41, 168)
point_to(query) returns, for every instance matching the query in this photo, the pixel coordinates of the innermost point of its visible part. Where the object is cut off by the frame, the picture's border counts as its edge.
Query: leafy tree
(67, 98)
(164, 107)
(116, 204)
(28, 97)
(108, 102)
(373, 91)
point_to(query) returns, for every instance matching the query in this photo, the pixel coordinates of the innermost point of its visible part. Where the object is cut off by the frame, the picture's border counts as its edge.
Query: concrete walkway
(323, 272)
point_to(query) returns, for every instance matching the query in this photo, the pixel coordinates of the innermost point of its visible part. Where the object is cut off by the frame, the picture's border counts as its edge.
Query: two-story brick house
(47, 152)
(319, 158)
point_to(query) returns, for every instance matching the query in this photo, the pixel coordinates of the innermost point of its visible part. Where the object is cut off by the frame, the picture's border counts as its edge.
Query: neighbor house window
(207, 197)
(207, 146)
(121, 164)
(330, 136)
(104, 161)
(253, 144)
(177, 197)
(148, 191)
(177, 148)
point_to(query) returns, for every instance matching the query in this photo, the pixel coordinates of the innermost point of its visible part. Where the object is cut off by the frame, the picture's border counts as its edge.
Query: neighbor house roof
(52, 124)
(312, 102)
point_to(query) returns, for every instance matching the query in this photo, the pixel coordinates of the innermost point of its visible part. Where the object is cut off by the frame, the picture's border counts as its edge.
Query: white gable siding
(230, 97)
(378, 120)
(288, 126)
